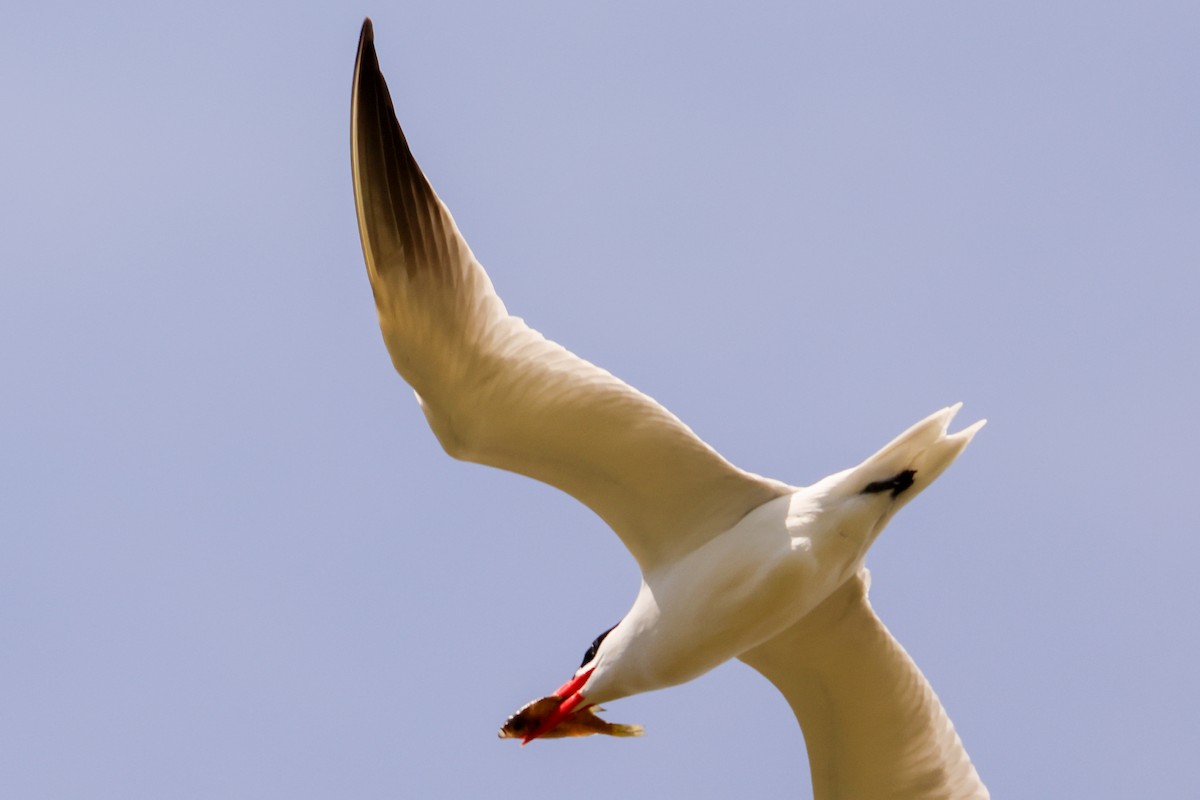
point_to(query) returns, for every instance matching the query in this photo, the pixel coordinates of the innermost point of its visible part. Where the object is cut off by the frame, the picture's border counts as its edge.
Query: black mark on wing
(895, 484)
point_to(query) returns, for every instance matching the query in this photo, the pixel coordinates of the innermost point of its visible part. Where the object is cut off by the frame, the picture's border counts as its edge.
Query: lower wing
(873, 726)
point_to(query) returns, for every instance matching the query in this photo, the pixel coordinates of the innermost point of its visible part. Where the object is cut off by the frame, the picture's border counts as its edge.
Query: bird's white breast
(736, 591)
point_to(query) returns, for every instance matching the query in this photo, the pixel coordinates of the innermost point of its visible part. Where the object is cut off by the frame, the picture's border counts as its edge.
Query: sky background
(234, 562)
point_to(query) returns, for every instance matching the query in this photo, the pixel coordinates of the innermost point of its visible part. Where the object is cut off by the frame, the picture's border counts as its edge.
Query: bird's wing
(496, 391)
(872, 723)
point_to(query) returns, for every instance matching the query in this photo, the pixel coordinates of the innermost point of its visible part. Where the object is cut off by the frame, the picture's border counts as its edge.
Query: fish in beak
(564, 713)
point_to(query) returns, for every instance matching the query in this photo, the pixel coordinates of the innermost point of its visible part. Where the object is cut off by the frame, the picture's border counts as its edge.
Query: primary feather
(497, 392)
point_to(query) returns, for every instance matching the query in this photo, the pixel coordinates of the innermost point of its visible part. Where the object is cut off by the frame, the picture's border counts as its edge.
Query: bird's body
(755, 580)
(733, 563)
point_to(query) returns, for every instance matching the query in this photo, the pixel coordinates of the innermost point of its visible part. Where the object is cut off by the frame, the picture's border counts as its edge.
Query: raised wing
(872, 723)
(496, 391)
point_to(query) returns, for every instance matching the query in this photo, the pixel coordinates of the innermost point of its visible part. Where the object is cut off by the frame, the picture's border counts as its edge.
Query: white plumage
(733, 564)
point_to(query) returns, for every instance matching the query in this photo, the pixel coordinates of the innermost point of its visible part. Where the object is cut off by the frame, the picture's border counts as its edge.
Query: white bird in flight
(734, 565)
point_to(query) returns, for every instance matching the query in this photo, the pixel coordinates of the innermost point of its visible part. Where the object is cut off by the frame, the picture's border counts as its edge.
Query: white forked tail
(926, 449)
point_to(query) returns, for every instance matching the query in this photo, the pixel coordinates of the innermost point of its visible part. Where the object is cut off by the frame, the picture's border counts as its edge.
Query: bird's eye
(591, 651)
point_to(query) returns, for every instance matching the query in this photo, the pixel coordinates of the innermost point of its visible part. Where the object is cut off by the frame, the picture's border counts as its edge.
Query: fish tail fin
(617, 729)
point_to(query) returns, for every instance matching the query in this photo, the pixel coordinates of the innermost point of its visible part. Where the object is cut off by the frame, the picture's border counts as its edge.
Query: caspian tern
(734, 565)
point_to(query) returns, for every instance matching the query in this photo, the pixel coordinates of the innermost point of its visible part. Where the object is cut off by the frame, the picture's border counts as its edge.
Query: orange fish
(581, 723)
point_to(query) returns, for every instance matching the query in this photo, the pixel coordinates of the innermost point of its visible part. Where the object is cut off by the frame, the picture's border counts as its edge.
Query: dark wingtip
(366, 39)
(400, 218)
(366, 63)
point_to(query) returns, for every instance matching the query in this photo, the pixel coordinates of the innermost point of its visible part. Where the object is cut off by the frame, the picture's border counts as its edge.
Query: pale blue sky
(234, 562)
